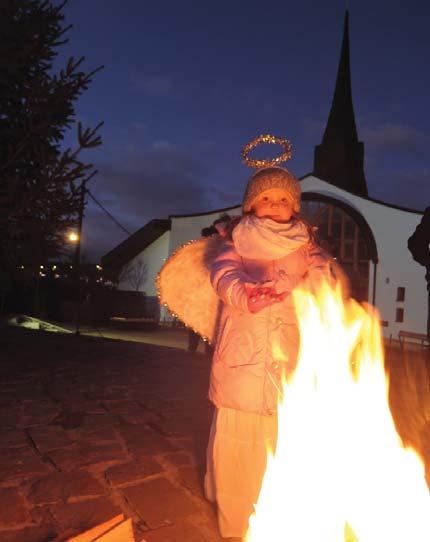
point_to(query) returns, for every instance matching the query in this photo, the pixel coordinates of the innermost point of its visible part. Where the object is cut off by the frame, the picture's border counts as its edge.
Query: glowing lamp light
(73, 237)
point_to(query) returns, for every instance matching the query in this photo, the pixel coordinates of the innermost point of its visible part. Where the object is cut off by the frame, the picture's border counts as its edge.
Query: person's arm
(229, 279)
(318, 265)
(236, 288)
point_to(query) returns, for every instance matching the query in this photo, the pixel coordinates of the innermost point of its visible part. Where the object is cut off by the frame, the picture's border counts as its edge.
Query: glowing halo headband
(266, 138)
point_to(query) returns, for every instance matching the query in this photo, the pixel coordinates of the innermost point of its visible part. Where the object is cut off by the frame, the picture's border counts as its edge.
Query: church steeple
(340, 156)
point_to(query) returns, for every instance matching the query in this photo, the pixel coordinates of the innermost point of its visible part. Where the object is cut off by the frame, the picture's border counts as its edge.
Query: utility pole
(78, 258)
(83, 191)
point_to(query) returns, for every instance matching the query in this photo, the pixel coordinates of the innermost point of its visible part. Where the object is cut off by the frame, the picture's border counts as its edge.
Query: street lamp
(76, 237)
(73, 237)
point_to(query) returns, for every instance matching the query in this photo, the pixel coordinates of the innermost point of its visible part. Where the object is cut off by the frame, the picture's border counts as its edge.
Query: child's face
(275, 204)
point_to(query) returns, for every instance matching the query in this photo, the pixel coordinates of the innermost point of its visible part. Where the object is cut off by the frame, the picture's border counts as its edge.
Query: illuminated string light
(160, 295)
(270, 139)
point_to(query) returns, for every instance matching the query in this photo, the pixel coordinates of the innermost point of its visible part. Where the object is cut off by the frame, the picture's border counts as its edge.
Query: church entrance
(344, 237)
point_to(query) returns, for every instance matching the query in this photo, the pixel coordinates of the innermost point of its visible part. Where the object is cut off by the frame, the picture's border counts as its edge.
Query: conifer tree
(39, 179)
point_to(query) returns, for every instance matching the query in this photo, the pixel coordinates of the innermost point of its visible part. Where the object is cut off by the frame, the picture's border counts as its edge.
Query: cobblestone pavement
(91, 427)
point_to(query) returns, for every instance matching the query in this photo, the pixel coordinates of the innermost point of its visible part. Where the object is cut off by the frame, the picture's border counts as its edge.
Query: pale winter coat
(246, 372)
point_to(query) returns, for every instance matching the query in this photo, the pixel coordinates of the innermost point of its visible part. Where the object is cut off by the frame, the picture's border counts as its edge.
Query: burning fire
(340, 472)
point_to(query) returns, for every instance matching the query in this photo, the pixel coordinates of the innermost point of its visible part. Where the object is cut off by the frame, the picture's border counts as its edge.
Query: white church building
(369, 238)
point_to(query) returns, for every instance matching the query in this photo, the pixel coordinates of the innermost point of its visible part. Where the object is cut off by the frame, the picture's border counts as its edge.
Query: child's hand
(260, 297)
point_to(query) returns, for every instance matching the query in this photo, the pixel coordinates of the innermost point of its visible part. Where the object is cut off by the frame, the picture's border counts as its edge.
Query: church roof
(339, 158)
(133, 245)
(341, 120)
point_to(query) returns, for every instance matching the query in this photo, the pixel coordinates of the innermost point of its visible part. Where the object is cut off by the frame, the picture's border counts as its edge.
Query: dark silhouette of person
(419, 247)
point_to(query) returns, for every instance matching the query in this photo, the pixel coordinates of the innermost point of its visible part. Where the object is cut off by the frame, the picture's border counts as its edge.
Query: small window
(362, 249)
(336, 229)
(399, 315)
(401, 293)
(349, 230)
(348, 250)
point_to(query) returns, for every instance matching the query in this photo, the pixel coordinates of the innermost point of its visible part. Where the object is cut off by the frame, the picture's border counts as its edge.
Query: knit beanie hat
(268, 178)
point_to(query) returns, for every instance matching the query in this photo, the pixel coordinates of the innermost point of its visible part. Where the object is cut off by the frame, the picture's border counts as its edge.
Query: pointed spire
(339, 158)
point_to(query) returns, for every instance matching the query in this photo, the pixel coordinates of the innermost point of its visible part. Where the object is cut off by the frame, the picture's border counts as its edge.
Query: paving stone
(39, 533)
(139, 416)
(96, 435)
(178, 459)
(81, 516)
(82, 484)
(140, 439)
(178, 425)
(60, 486)
(158, 502)
(192, 478)
(121, 407)
(182, 531)
(22, 465)
(11, 417)
(13, 438)
(151, 401)
(193, 446)
(64, 394)
(108, 393)
(32, 394)
(175, 404)
(12, 508)
(80, 456)
(131, 411)
(50, 437)
(93, 407)
(132, 472)
(107, 419)
(8, 399)
(35, 413)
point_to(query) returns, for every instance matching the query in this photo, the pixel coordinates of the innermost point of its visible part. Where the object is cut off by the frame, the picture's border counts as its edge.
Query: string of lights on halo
(263, 163)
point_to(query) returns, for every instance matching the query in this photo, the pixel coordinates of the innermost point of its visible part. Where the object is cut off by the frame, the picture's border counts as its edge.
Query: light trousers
(236, 462)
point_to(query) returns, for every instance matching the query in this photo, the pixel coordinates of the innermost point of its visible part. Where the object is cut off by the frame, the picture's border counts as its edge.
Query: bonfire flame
(340, 472)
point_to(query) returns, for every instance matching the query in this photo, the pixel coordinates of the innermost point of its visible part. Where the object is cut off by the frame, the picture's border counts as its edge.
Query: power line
(108, 213)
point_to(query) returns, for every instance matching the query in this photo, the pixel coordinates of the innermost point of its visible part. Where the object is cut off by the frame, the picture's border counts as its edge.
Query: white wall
(186, 228)
(153, 257)
(391, 228)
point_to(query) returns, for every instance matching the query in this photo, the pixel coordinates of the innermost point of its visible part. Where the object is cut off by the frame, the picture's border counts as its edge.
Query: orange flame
(340, 472)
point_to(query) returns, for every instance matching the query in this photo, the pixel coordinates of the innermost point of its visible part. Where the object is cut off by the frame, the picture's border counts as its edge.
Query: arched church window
(342, 236)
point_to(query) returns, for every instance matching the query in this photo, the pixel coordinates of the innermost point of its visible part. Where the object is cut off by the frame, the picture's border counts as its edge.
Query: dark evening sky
(188, 83)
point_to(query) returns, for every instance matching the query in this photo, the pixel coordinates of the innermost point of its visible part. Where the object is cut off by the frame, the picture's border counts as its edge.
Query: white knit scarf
(264, 239)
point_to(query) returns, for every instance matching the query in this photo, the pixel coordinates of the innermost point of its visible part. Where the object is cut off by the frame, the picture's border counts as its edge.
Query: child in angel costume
(242, 302)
